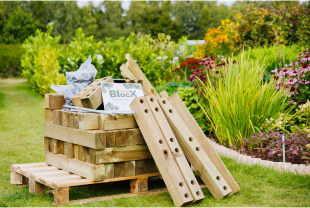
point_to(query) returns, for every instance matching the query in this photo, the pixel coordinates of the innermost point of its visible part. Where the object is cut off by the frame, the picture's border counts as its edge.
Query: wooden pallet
(41, 175)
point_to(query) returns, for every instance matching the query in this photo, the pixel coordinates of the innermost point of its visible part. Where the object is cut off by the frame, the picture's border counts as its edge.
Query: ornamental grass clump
(239, 102)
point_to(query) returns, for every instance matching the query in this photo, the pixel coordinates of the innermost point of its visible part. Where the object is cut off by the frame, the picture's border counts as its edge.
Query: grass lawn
(21, 141)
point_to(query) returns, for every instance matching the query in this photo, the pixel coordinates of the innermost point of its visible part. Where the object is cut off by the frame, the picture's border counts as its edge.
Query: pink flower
(291, 81)
(303, 81)
(292, 101)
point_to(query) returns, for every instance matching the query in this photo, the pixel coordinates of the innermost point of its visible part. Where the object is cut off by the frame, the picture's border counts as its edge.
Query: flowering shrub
(219, 40)
(193, 68)
(269, 146)
(295, 77)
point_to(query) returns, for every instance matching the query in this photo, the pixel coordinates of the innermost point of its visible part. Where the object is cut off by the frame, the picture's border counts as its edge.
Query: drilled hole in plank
(141, 101)
(146, 110)
(87, 95)
(176, 149)
(192, 182)
(156, 109)
(160, 141)
(171, 139)
(190, 139)
(197, 193)
(104, 78)
(181, 184)
(224, 187)
(152, 100)
(170, 110)
(93, 89)
(165, 152)
(197, 148)
(186, 195)
(98, 84)
(164, 102)
(218, 178)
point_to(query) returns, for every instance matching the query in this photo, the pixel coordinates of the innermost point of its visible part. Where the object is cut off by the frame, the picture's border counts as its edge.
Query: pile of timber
(94, 146)
(159, 139)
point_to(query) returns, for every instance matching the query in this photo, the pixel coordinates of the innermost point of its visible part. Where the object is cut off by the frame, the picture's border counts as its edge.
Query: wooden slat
(87, 170)
(119, 121)
(56, 117)
(49, 180)
(65, 118)
(161, 152)
(88, 182)
(93, 98)
(175, 148)
(27, 165)
(192, 125)
(126, 73)
(77, 99)
(28, 171)
(164, 94)
(194, 152)
(148, 89)
(75, 136)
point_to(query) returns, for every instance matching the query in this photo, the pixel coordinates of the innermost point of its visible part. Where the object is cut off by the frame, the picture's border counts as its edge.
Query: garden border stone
(300, 169)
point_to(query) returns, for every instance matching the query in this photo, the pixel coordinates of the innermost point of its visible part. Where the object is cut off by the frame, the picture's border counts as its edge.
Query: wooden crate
(41, 175)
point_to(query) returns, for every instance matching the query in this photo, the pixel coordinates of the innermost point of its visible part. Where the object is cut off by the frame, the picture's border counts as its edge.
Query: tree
(19, 26)
(88, 21)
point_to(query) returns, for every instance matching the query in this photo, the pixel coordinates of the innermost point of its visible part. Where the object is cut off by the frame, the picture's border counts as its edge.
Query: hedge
(10, 57)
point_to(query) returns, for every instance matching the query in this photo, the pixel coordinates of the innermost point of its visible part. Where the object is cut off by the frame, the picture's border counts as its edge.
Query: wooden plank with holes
(161, 153)
(119, 121)
(77, 98)
(175, 148)
(87, 170)
(90, 139)
(192, 125)
(126, 73)
(148, 89)
(93, 98)
(194, 152)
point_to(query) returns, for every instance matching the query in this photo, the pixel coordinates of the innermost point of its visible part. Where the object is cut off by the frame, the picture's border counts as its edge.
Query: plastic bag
(76, 81)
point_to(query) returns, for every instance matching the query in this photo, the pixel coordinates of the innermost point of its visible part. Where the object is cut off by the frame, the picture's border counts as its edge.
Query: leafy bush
(40, 64)
(270, 146)
(10, 58)
(270, 55)
(239, 102)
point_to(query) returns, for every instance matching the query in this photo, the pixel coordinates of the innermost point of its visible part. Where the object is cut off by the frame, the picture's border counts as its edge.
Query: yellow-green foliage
(46, 70)
(40, 62)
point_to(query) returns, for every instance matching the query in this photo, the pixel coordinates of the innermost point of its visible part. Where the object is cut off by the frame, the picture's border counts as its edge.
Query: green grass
(21, 141)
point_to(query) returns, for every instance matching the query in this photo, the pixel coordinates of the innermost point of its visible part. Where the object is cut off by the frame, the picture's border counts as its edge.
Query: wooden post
(175, 148)
(16, 178)
(148, 89)
(194, 152)
(35, 187)
(192, 125)
(61, 196)
(161, 153)
(139, 186)
(126, 73)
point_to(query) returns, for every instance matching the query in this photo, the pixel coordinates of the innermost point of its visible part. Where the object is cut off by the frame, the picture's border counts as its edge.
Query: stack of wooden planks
(94, 146)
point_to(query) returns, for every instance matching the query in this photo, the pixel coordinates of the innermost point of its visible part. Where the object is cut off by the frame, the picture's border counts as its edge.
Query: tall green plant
(239, 103)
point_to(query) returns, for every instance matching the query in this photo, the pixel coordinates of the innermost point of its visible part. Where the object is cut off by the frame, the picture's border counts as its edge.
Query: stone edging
(240, 158)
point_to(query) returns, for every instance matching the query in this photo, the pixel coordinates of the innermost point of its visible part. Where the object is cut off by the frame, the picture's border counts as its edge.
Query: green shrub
(40, 61)
(239, 103)
(190, 97)
(270, 55)
(10, 57)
